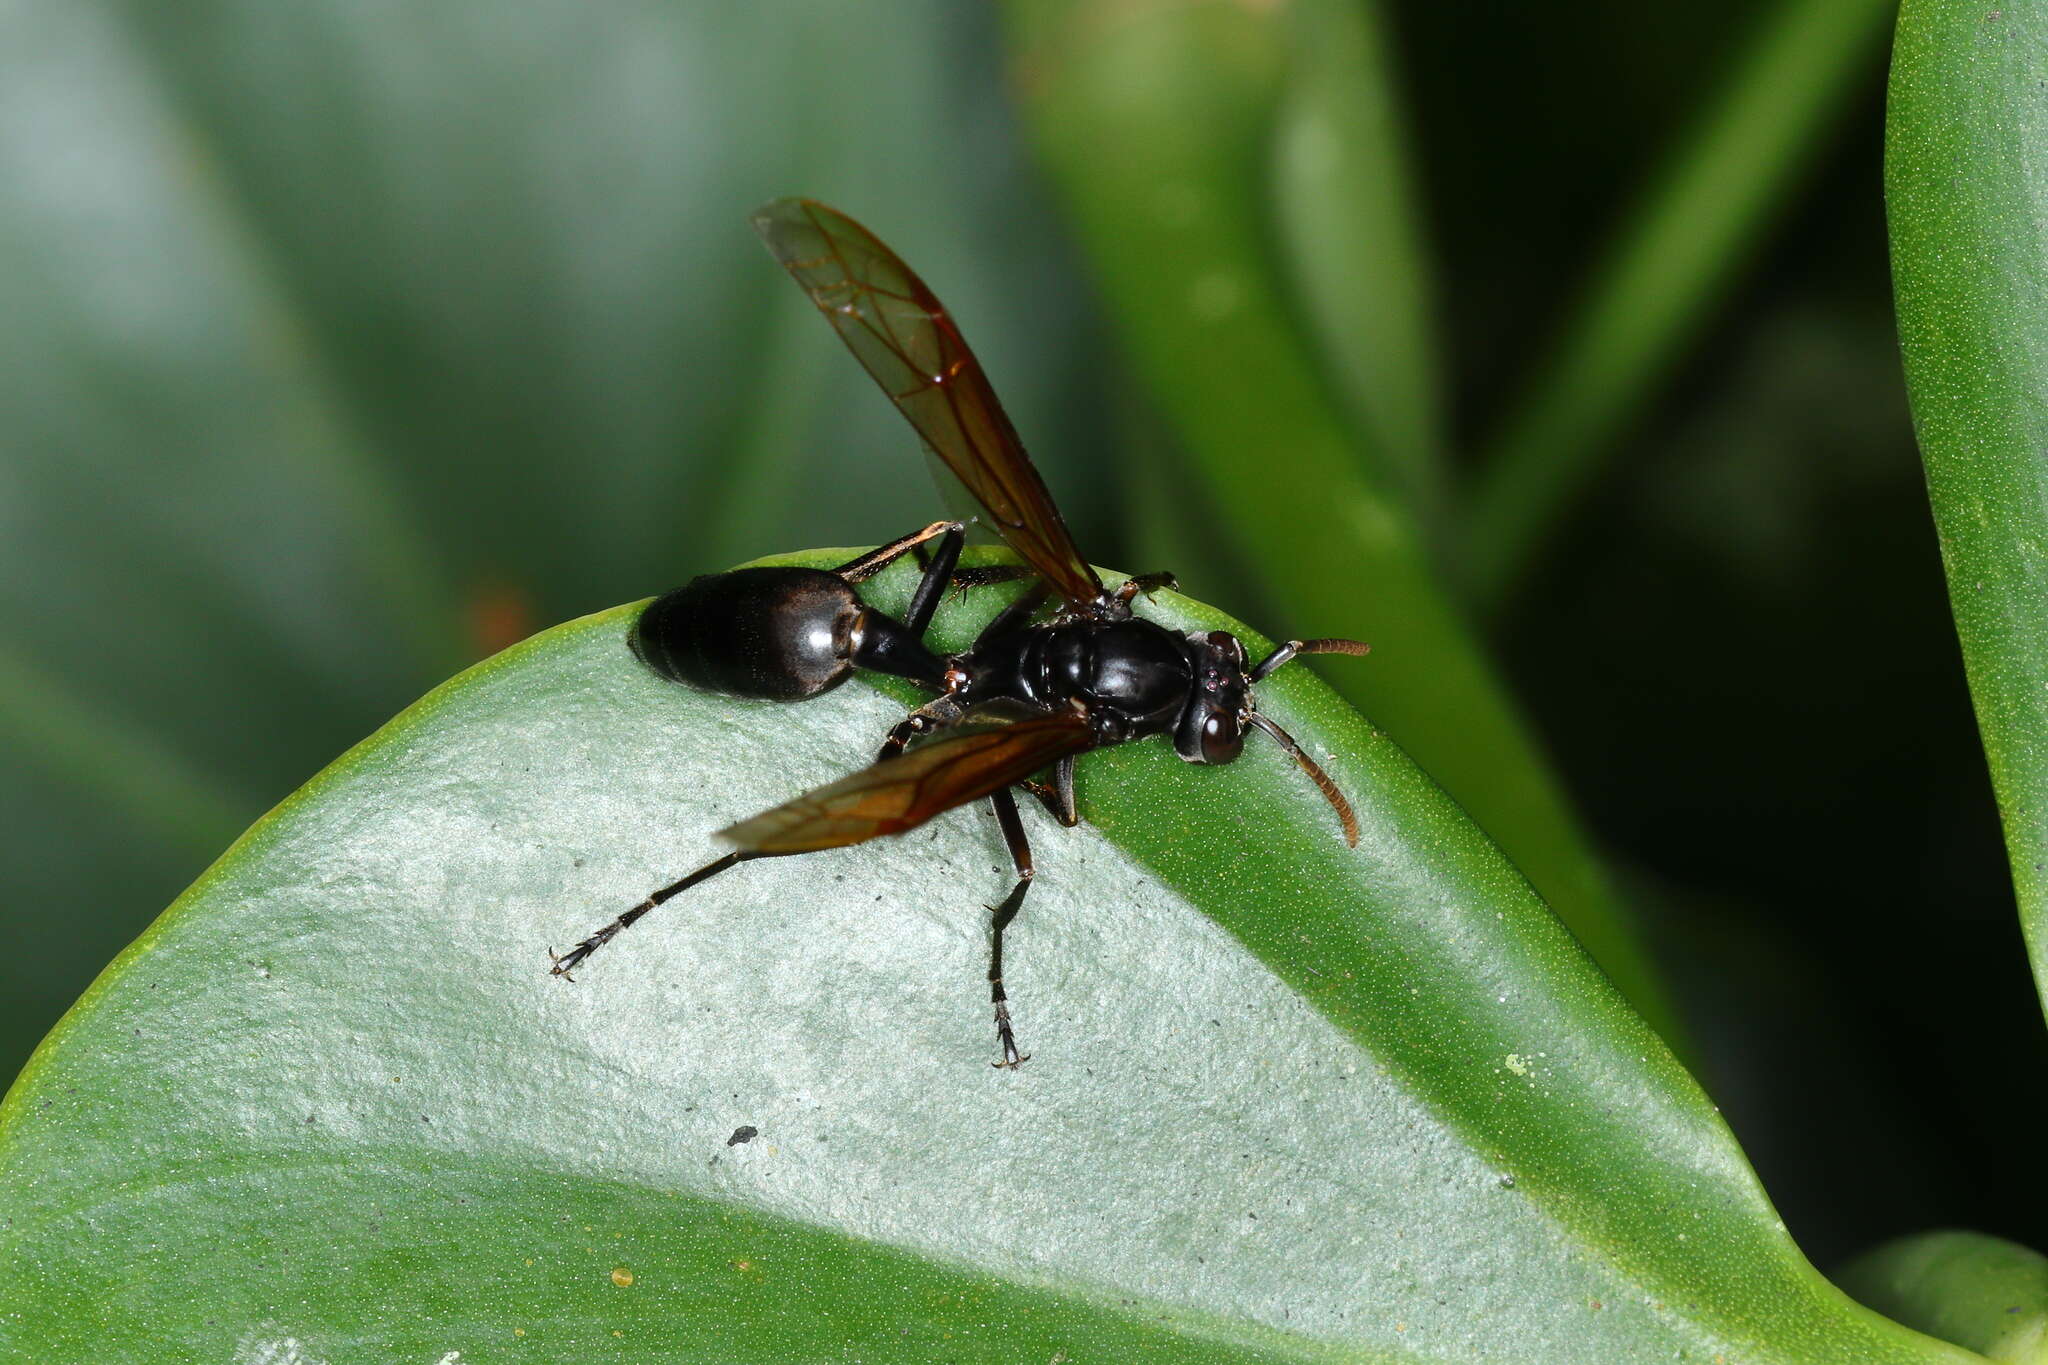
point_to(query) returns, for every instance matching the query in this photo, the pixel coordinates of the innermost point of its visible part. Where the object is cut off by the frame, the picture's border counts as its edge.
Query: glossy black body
(775, 634)
(788, 634)
(1131, 677)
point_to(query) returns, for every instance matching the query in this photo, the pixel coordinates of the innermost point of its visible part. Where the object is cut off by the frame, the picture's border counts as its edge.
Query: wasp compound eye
(1222, 738)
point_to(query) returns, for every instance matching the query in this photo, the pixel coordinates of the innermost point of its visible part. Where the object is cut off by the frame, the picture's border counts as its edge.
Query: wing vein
(900, 332)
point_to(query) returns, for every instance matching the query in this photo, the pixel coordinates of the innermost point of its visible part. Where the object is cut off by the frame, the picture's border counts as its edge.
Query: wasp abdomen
(777, 634)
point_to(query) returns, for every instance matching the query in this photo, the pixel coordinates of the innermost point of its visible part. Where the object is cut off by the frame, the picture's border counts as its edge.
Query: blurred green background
(343, 343)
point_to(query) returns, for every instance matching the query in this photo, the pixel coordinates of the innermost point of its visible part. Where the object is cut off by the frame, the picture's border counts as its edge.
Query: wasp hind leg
(937, 566)
(565, 963)
(1020, 856)
(882, 556)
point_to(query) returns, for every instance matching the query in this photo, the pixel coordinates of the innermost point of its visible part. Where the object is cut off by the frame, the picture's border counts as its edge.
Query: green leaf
(1156, 120)
(1984, 1293)
(1345, 208)
(346, 342)
(1658, 285)
(1967, 196)
(1290, 1100)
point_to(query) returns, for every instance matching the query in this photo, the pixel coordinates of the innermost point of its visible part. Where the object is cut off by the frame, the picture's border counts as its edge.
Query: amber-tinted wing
(903, 335)
(903, 792)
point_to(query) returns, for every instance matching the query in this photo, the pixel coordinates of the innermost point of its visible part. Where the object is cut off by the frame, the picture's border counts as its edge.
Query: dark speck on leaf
(746, 1132)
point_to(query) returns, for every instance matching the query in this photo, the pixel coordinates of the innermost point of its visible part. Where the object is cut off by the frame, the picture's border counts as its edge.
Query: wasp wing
(902, 793)
(900, 331)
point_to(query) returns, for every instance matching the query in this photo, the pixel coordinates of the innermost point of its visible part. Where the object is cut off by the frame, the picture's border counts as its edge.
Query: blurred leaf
(1349, 231)
(1290, 1100)
(343, 340)
(1983, 1293)
(148, 789)
(1155, 118)
(1662, 279)
(1967, 194)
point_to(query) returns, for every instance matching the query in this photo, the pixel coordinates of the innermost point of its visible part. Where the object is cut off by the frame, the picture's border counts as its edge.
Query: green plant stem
(1967, 193)
(1155, 120)
(1684, 241)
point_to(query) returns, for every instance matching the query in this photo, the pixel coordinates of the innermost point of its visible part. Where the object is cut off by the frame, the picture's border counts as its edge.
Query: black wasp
(1064, 669)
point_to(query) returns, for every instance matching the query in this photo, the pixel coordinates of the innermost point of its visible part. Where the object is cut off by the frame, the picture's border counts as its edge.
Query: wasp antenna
(1294, 647)
(1345, 817)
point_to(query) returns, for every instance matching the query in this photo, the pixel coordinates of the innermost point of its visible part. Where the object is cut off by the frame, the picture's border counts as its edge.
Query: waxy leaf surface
(1288, 1100)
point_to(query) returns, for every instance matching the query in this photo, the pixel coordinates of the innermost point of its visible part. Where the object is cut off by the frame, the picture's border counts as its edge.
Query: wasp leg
(882, 642)
(1057, 796)
(935, 714)
(882, 556)
(1147, 583)
(938, 571)
(574, 958)
(1020, 855)
(988, 575)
